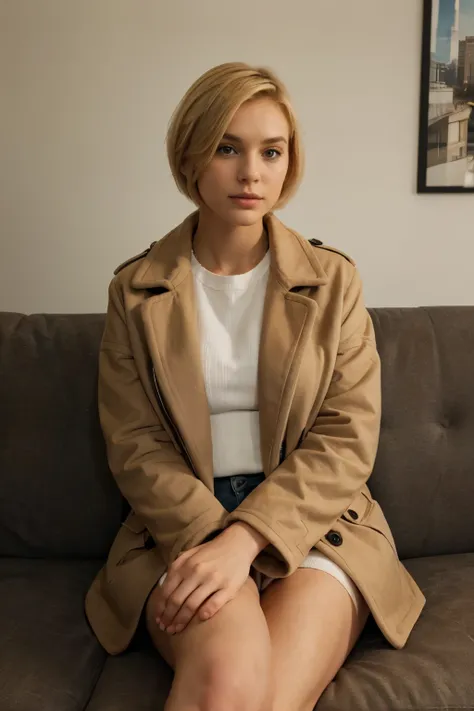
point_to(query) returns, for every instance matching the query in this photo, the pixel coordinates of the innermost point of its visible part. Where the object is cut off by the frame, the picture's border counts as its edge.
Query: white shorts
(318, 561)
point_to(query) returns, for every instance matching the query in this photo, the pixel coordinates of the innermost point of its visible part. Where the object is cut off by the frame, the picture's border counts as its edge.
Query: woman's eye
(225, 150)
(275, 153)
(270, 153)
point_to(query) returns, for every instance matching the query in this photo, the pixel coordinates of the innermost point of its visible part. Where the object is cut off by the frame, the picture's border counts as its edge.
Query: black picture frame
(446, 165)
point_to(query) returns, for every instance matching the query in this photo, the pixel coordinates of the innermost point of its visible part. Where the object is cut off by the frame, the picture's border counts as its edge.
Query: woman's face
(251, 158)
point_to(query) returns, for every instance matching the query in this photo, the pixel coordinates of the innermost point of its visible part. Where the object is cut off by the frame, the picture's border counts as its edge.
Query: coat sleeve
(299, 502)
(176, 507)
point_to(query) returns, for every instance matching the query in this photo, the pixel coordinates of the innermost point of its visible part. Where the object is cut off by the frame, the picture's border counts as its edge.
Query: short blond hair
(203, 114)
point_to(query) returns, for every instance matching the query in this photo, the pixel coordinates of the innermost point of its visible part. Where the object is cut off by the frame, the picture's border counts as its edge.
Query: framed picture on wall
(446, 133)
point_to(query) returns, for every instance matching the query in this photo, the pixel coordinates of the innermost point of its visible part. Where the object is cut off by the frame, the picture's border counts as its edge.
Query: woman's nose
(248, 169)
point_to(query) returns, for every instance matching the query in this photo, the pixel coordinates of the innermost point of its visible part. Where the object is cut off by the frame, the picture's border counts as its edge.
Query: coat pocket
(132, 539)
(359, 508)
(366, 511)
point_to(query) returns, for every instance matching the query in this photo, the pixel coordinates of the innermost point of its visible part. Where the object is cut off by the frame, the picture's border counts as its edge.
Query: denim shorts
(232, 490)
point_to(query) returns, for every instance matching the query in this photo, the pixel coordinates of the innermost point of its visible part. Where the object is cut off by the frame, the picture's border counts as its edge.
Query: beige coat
(319, 395)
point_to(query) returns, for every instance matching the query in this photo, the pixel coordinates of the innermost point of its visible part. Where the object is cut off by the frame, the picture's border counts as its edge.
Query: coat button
(353, 514)
(334, 537)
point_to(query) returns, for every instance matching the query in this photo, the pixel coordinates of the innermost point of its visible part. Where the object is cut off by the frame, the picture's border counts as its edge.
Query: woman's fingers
(214, 603)
(172, 580)
(183, 597)
(192, 607)
(167, 589)
(172, 599)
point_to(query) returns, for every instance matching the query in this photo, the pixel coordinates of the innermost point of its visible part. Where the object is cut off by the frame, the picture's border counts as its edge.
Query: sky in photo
(445, 22)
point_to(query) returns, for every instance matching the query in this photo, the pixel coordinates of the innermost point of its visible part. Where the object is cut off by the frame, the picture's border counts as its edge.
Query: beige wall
(88, 87)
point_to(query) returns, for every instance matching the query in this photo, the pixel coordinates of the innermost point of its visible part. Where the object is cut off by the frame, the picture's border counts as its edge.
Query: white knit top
(230, 311)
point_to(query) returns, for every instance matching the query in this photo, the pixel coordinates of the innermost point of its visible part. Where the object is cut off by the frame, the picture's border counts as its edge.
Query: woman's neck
(228, 249)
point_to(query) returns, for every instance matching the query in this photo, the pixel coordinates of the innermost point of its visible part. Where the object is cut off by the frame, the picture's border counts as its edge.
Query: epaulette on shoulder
(133, 259)
(317, 243)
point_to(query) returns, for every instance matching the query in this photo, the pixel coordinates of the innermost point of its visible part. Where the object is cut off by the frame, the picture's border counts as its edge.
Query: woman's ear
(185, 167)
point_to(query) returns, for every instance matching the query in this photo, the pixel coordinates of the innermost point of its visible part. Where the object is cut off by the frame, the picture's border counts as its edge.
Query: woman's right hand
(203, 579)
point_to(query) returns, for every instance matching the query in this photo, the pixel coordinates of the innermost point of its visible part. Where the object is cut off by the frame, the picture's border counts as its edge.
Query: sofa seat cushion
(435, 670)
(49, 657)
(138, 679)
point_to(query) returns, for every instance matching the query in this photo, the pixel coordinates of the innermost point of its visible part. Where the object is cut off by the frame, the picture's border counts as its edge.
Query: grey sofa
(60, 510)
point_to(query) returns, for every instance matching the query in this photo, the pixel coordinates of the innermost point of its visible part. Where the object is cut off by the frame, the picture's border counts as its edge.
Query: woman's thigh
(313, 625)
(230, 649)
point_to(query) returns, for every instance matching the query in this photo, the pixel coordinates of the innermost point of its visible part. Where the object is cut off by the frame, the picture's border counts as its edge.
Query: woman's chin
(244, 217)
(234, 215)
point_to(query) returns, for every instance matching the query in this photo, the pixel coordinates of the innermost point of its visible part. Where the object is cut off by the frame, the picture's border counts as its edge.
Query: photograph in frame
(446, 136)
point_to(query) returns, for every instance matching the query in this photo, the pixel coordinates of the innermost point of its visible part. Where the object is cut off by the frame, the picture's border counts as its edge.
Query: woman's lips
(246, 202)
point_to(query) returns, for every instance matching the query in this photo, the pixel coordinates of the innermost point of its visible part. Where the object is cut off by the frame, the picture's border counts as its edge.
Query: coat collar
(293, 260)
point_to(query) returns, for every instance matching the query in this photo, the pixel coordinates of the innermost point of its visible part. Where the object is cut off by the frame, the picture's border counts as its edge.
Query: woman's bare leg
(313, 625)
(221, 663)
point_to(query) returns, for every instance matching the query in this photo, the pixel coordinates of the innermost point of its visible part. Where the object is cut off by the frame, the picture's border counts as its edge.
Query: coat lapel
(288, 320)
(172, 333)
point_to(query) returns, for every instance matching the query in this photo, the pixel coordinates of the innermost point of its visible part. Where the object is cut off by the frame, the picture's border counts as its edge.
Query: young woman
(240, 400)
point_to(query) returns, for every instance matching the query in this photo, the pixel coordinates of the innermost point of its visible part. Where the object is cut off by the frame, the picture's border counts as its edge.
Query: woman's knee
(234, 686)
(225, 662)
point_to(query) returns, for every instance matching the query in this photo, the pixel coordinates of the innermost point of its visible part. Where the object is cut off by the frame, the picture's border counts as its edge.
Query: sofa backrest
(58, 498)
(424, 471)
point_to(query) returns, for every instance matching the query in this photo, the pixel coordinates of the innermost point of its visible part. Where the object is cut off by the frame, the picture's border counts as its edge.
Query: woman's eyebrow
(237, 139)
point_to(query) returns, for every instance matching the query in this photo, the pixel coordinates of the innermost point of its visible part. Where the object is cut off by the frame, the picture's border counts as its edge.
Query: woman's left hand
(206, 577)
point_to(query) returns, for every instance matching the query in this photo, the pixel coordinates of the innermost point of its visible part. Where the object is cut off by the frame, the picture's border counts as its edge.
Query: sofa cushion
(49, 657)
(435, 668)
(57, 496)
(423, 471)
(138, 680)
